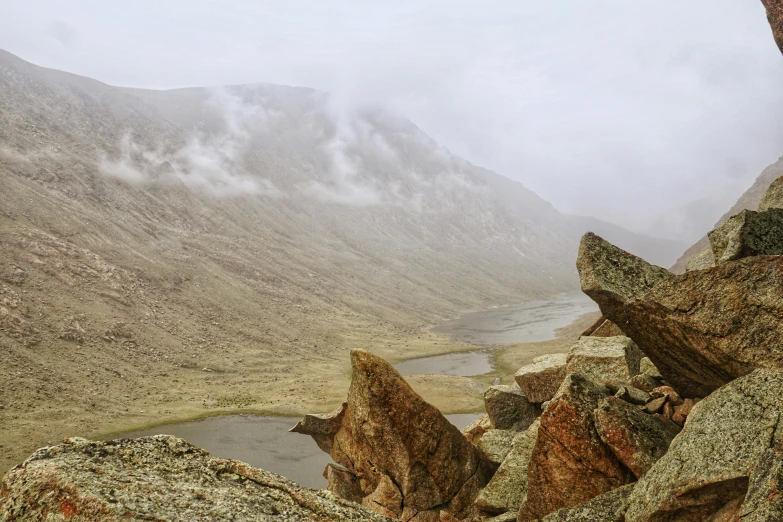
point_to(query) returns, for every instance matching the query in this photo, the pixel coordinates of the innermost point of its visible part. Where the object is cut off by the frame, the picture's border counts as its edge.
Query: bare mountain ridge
(170, 252)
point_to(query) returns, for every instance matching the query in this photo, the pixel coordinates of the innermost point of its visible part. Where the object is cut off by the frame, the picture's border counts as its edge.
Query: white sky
(613, 108)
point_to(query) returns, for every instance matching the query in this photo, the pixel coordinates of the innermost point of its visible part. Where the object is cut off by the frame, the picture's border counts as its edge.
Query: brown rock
(644, 382)
(775, 17)
(603, 359)
(474, 431)
(540, 380)
(682, 411)
(157, 478)
(508, 408)
(570, 464)
(747, 234)
(764, 500)
(608, 507)
(342, 483)
(390, 436)
(655, 405)
(322, 427)
(636, 438)
(701, 329)
(633, 395)
(386, 499)
(603, 328)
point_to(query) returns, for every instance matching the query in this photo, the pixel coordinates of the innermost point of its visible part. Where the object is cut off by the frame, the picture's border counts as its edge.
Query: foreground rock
(602, 359)
(748, 234)
(709, 464)
(410, 462)
(701, 329)
(508, 408)
(609, 507)
(540, 380)
(157, 478)
(570, 464)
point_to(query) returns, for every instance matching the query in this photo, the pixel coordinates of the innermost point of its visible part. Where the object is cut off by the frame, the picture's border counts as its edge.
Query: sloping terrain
(165, 253)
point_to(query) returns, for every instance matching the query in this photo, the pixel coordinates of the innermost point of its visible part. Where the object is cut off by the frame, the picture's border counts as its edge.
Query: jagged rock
(646, 367)
(633, 395)
(775, 17)
(701, 329)
(343, 483)
(603, 327)
(322, 427)
(496, 444)
(386, 499)
(601, 359)
(748, 234)
(508, 408)
(773, 197)
(476, 429)
(709, 463)
(570, 464)
(705, 259)
(682, 411)
(390, 435)
(644, 382)
(636, 438)
(507, 489)
(764, 500)
(540, 380)
(609, 507)
(157, 478)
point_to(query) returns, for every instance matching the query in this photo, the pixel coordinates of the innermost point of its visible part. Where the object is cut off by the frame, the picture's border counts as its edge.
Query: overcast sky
(613, 108)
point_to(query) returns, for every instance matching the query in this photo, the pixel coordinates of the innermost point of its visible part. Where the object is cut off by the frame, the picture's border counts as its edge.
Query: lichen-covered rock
(633, 395)
(773, 197)
(507, 489)
(496, 444)
(570, 464)
(775, 17)
(764, 499)
(602, 359)
(748, 234)
(541, 379)
(508, 408)
(609, 507)
(701, 329)
(390, 434)
(636, 438)
(709, 463)
(157, 478)
(705, 259)
(646, 367)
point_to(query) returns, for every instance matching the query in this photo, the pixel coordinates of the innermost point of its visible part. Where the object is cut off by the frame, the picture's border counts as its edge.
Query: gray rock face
(609, 507)
(496, 444)
(701, 329)
(748, 234)
(157, 478)
(764, 500)
(773, 198)
(540, 380)
(709, 463)
(705, 259)
(636, 438)
(602, 359)
(507, 489)
(508, 408)
(646, 367)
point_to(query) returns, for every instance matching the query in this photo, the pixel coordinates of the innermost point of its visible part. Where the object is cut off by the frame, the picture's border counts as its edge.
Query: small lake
(263, 442)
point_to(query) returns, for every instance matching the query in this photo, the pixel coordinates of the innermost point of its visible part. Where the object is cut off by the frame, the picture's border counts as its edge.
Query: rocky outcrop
(773, 197)
(748, 234)
(570, 464)
(508, 487)
(508, 408)
(709, 464)
(636, 438)
(701, 329)
(322, 427)
(406, 456)
(602, 359)
(705, 259)
(775, 17)
(157, 478)
(609, 507)
(540, 380)
(764, 499)
(496, 444)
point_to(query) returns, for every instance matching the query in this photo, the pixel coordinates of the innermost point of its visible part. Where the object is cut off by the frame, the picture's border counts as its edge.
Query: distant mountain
(749, 200)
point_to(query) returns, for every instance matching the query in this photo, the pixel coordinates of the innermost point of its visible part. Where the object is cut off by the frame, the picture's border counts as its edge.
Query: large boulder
(709, 464)
(605, 359)
(764, 500)
(747, 234)
(609, 507)
(775, 17)
(570, 464)
(508, 408)
(507, 489)
(402, 450)
(496, 444)
(157, 478)
(638, 439)
(541, 379)
(701, 329)
(704, 259)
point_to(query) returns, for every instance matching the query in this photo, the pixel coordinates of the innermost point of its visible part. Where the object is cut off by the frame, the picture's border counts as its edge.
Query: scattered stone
(508, 408)
(507, 489)
(540, 380)
(633, 395)
(655, 405)
(157, 478)
(682, 411)
(604, 359)
(709, 463)
(747, 234)
(701, 329)
(609, 507)
(636, 438)
(570, 464)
